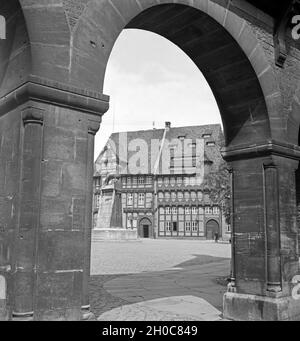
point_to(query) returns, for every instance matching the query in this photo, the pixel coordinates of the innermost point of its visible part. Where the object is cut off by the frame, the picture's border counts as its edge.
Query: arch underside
(222, 62)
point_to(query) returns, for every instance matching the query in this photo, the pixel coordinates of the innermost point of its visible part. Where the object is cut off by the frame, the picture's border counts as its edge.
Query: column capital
(46, 91)
(262, 149)
(33, 115)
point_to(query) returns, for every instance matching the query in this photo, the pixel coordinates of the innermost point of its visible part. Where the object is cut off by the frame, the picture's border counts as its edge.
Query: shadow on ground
(203, 276)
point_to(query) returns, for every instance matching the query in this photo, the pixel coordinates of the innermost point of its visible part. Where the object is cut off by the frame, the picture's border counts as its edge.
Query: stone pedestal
(114, 234)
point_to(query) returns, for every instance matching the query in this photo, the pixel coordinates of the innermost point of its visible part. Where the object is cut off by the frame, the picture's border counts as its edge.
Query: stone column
(265, 248)
(46, 173)
(93, 127)
(28, 215)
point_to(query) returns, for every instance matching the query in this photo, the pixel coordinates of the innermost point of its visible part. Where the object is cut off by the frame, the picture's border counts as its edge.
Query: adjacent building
(161, 175)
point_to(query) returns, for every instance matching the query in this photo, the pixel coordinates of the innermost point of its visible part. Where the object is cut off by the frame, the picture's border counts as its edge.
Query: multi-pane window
(186, 181)
(141, 180)
(208, 210)
(193, 196)
(173, 196)
(129, 199)
(159, 182)
(160, 196)
(216, 210)
(161, 210)
(149, 180)
(194, 226)
(141, 199)
(179, 181)
(188, 226)
(192, 181)
(168, 226)
(166, 181)
(186, 196)
(200, 195)
(173, 182)
(167, 196)
(180, 196)
(134, 181)
(187, 210)
(194, 210)
(168, 210)
(128, 181)
(174, 210)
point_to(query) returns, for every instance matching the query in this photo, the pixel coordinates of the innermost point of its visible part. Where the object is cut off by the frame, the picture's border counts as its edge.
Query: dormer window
(181, 138)
(211, 144)
(206, 136)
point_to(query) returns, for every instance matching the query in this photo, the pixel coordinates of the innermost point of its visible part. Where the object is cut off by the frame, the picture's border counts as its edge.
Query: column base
(87, 315)
(243, 307)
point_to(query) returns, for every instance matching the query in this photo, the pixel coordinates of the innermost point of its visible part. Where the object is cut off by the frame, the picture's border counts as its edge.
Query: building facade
(162, 175)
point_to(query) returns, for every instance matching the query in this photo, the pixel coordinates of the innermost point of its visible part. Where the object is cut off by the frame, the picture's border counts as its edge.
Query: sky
(150, 81)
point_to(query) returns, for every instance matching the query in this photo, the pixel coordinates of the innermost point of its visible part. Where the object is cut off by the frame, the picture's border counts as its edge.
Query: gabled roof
(118, 144)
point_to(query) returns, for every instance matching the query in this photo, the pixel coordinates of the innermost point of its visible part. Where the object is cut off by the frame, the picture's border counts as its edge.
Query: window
(161, 210)
(167, 196)
(186, 181)
(180, 196)
(160, 196)
(173, 196)
(168, 226)
(200, 195)
(187, 210)
(228, 228)
(159, 182)
(168, 210)
(211, 144)
(216, 210)
(188, 226)
(174, 226)
(129, 222)
(179, 181)
(128, 181)
(134, 181)
(149, 180)
(141, 199)
(129, 199)
(195, 226)
(166, 181)
(186, 196)
(174, 210)
(194, 210)
(206, 136)
(192, 180)
(208, 210)
(173, 182)
(193, 196)
(141, 180)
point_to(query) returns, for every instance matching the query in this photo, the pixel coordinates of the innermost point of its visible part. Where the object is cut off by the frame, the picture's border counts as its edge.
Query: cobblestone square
(128, 278)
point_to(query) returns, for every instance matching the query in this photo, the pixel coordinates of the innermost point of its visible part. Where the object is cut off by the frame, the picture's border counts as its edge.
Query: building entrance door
(146, 231)
(212, 227)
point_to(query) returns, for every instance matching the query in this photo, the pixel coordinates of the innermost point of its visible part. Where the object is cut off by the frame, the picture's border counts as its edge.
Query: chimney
(168, 125)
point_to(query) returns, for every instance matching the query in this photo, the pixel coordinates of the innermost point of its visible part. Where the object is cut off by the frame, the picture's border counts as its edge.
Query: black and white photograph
(149, 163)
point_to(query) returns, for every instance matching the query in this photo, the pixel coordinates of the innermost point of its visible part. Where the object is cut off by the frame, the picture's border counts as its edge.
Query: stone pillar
(265, 248)
(46, 174)
(93, 128)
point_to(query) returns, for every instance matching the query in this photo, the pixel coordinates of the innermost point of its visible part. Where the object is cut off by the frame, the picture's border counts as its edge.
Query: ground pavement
(152, 280)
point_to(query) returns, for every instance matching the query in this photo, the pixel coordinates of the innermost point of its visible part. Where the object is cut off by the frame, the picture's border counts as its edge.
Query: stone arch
(15, 56)
(101, 23)
(211, 226)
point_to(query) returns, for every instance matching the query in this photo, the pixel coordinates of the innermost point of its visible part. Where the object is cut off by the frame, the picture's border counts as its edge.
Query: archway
(212, 227)
(145, 228)
(51, 94)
